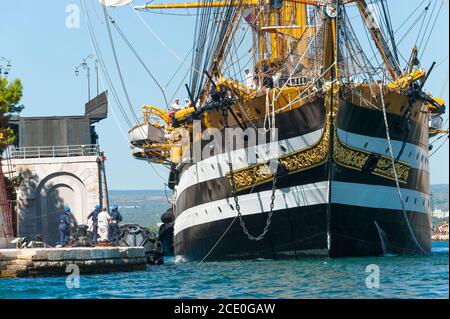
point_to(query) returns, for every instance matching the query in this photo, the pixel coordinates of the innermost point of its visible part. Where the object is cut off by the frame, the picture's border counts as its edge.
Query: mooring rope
(395, 172)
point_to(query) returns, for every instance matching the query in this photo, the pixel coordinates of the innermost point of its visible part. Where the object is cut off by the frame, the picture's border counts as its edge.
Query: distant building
(440, 213)
(59, 163)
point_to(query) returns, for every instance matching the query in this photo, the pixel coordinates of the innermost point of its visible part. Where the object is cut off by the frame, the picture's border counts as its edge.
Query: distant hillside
(439, 196)
(148, 192)
(143, 207)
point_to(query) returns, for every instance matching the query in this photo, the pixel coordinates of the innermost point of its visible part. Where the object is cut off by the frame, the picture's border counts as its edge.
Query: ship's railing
(55, 151)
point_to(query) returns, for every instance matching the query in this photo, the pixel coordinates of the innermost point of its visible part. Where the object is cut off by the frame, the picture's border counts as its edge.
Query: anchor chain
(236, 200)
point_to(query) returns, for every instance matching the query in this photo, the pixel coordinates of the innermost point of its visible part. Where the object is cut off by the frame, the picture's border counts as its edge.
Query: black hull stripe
(354, 232)
(302, 231)
(292, 229)
(299, 121)
(358, 120)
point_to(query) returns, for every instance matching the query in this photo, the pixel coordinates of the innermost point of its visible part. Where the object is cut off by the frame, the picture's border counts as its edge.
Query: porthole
(366, 144)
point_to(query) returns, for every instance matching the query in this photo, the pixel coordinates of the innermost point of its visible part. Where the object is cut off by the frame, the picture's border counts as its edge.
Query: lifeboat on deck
(147, 134)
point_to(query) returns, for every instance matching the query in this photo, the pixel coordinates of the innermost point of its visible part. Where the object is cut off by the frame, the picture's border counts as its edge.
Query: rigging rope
(157, 37)
(432, 28)
(99, 57)
(299, 61)
(394, 169)
(133, 50)
(116, 60)
(442, 144)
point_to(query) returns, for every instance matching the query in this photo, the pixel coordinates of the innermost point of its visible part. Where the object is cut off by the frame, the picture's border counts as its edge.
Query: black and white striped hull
(326, 210)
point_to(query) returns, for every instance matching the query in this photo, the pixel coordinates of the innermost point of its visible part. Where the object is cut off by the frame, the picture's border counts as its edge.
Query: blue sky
(44, 53)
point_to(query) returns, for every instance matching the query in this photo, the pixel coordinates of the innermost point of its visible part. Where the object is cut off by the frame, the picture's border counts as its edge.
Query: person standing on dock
(103, 226)
(94, 216)
(64, 227)
(115, 219)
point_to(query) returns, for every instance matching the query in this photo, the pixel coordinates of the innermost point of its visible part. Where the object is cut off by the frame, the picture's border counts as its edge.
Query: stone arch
(56, 191)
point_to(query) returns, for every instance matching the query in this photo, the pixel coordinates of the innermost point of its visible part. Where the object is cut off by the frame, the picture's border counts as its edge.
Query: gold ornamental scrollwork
(357, 159)
(310, 156)
(249, 177)
(294, 162)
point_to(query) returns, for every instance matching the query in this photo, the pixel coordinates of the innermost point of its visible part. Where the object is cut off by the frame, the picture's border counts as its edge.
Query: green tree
(10, 96)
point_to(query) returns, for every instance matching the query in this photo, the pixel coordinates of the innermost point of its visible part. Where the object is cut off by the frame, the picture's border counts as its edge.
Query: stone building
(59, 164)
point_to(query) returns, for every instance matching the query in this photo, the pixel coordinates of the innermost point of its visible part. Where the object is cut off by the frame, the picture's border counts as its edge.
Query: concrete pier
(41, 262)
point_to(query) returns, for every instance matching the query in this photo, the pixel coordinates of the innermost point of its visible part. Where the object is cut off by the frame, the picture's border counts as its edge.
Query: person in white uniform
(175, 106)
(187, 103)
(103, 225)
(249, 79)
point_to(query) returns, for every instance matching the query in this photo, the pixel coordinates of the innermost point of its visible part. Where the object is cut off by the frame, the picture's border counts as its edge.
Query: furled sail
(115, 3)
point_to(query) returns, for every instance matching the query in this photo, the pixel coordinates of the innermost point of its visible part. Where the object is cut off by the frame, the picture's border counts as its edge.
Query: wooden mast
(380, 42)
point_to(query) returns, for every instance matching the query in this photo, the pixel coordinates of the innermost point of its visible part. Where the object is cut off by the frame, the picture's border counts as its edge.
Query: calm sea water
(400, 277)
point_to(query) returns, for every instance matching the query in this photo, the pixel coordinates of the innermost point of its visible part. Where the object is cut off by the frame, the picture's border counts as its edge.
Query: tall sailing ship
(347, 175)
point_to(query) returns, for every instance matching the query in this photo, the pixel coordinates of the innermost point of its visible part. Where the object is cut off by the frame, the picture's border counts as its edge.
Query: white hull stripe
(254, 203)
(376, 196)
(413, 155)
(363, 195)
(216, 166)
